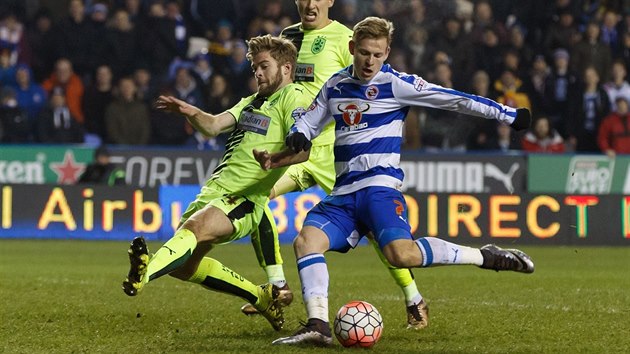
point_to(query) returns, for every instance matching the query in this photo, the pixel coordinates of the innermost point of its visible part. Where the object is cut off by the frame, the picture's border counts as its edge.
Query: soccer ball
(358, 324)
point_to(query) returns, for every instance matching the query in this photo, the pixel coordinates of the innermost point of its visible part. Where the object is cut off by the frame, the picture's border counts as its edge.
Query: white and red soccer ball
(358, 324)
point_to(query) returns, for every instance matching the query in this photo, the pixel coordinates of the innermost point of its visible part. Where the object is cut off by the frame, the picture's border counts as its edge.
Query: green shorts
(243, 211)
(319, 169)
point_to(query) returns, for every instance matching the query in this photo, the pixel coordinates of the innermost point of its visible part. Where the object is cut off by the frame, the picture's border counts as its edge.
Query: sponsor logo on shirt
(352, 114)
(252, 122)
(305, 72)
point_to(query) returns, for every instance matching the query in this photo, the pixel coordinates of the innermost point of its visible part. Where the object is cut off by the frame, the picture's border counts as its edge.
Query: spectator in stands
(146, 90)
(438, 129)
(100, 50)
(202, 72)
(12, 37)
(75, 40)
(488, 53)
(512, 61)
(122, 44)
(592, 52)
(126, 118)
(56, 124)
(624, 51)
(503, 140)
(30, 95)
(617, 86)
(614, 132)
(160, 43)
(7, 70)
(484, 129)
(204, 14)
(95, 101)
(134, 8)
(536, 85)
(15, 127)
(560, 83)
(238, 68)
(418, 48)
(589, 104)
(542, 137)
(509, 88)
(220, 96)
(102, 171)
(452, 40)
(483, 20)
(563, 33)
(63, 76)
(610, 35)
(349, 14)
(40, 39)
(185, 86)
(518, 44)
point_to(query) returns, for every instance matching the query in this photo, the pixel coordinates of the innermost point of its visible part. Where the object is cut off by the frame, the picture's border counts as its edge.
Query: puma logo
(171, 252)
(493, 171)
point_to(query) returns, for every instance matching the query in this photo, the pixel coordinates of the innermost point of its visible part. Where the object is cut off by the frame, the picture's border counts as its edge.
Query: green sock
(213, 275)
(172, 254)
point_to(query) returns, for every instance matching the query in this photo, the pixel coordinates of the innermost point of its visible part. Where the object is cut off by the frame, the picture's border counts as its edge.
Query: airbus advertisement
(120, 213)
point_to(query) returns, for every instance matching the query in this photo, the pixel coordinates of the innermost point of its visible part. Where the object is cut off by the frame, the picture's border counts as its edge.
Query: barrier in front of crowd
(469, 198)
(120, 213)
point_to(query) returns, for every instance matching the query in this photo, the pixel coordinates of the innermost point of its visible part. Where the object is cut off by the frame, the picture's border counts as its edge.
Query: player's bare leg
(309, 248)
(428, 251)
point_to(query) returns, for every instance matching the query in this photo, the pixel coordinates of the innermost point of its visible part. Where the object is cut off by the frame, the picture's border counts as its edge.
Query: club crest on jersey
(371, 92)
(352, 114)
(318, 44)
(297, 113)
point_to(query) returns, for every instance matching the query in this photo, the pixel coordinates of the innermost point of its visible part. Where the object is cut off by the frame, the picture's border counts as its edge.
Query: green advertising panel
(43, 164)
(578, 174)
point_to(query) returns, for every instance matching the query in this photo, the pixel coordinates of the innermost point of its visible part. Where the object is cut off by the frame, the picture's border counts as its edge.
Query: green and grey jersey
(262, 124)
(321, 53)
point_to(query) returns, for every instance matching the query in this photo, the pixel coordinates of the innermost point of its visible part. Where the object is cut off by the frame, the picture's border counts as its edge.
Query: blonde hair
(281, 49)
(373, 28)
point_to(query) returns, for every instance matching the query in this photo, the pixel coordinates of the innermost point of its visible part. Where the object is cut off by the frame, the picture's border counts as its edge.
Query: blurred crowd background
(88, 71)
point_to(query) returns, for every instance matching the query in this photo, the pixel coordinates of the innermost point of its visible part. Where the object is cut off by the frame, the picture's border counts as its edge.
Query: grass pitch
(65, 297)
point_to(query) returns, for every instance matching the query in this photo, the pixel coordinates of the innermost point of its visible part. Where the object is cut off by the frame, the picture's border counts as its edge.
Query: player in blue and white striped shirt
(368, 102)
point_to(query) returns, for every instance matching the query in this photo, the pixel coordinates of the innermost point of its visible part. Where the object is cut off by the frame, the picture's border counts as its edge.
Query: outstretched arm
(414, 91)
(207, 124)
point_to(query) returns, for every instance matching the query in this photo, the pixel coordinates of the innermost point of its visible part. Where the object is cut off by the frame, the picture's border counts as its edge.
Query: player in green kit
(322, 46)
(231, 203)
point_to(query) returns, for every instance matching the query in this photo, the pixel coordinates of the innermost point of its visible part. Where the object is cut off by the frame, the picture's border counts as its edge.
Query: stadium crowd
(88, 71)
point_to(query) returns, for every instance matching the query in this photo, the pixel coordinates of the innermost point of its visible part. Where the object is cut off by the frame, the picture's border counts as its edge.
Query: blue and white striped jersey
(369, 121)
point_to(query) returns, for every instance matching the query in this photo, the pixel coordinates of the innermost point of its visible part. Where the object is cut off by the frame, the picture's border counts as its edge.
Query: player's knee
(300, 245)
(305, 243)
(399, 257)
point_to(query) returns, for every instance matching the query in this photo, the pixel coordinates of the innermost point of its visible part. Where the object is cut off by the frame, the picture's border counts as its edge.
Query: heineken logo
(318, 44)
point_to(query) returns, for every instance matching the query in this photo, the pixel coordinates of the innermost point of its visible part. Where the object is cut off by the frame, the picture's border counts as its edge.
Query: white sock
(314, 278)
(412, 295)
(436, 251)
(275, 274)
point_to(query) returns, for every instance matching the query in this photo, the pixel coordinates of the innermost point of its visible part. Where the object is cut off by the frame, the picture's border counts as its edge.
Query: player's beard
(271, 86)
